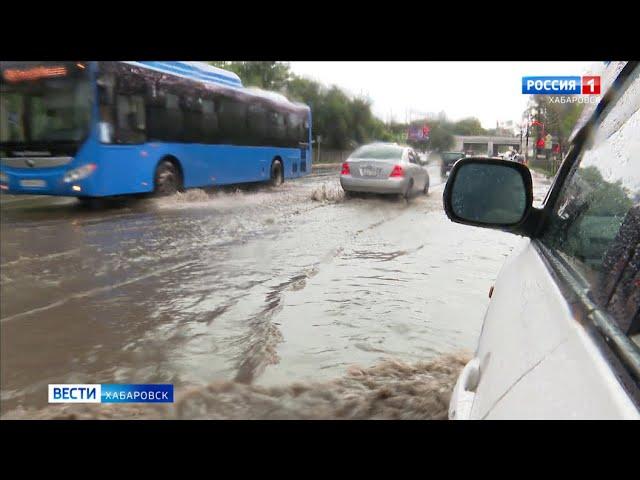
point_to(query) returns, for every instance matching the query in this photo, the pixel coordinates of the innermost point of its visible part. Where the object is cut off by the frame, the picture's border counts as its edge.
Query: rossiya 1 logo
(585, 85)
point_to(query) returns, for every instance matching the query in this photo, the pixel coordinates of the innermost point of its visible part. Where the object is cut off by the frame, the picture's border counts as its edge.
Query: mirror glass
(488, 193)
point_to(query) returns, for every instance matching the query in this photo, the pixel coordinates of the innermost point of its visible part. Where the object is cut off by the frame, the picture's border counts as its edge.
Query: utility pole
(526, 148)
(520, 138)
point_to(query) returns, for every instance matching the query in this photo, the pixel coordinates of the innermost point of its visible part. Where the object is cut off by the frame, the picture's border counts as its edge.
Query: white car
(561, 335)
(385, 168)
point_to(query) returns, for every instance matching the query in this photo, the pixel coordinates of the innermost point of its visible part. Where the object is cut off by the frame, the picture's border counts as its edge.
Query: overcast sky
(490, 91)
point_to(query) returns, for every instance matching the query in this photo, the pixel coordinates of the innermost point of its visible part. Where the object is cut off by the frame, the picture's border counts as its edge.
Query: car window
(412, 157)
(596, 220)
(381, 152)
(451, 156)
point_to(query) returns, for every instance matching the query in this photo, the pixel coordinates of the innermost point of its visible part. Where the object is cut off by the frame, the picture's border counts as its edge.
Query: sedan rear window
(380, 152)
(447, 156)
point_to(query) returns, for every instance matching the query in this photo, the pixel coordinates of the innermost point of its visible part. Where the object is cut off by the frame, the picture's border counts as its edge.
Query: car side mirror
(490, 193)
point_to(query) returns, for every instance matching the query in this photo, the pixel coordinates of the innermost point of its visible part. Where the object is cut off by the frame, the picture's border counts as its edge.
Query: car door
(560, 335)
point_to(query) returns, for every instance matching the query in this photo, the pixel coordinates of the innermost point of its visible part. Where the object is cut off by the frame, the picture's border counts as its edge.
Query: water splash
(328, 192)
(391, 389)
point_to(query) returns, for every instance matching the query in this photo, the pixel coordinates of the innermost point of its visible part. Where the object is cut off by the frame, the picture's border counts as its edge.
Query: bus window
(192, 119)
(233, 120)
(130, 121)
(277, 129)
(157, 128)
(174, 118)
(258, 124)
(12, 118)
(209, 121)
(295, 131)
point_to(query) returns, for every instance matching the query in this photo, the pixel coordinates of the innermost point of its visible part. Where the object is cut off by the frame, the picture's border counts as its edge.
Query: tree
(468, 126)
(267, 75)
(440, 137)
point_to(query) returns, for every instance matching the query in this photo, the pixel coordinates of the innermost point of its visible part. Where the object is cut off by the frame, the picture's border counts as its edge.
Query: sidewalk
(541, 185)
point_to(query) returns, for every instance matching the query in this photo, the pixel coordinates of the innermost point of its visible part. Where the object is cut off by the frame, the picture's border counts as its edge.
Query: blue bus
(101, 129)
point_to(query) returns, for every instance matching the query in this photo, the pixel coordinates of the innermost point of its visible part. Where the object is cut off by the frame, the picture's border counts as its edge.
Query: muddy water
(390, 389)
(288, 303)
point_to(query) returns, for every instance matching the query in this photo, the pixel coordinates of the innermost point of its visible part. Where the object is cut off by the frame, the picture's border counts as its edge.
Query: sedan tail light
(345, 169)
(397, 172)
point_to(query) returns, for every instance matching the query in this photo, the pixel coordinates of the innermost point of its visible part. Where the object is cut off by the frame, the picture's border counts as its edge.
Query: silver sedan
(385, 168)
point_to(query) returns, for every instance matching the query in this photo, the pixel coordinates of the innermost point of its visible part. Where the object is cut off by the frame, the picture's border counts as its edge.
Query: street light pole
(526, 148)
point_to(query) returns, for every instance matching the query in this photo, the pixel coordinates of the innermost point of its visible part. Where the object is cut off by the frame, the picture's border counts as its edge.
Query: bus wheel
(277, 174)
(167, 180)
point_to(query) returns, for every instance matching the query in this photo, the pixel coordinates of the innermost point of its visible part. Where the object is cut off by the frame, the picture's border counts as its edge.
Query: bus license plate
(32, 183)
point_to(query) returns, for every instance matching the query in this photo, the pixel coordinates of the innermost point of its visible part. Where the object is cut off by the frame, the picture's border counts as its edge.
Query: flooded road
(247, 301)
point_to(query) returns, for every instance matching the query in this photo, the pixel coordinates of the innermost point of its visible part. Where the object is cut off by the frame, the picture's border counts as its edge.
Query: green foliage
(440, 136)
(468, 126)
(605, 198)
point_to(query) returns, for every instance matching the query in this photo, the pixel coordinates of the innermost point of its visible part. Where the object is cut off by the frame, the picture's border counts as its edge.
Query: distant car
(512, 156)
(517, 158)
(448, 159)
(385, 168)
(561, 334)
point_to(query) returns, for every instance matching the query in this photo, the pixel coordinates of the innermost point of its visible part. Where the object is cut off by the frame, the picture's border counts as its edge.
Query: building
(486, 145)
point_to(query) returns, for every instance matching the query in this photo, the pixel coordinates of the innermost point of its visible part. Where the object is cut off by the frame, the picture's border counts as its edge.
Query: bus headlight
(4, 178)
(79, 173)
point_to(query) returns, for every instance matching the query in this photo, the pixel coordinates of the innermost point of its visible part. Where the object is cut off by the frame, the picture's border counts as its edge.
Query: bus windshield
(45, 110)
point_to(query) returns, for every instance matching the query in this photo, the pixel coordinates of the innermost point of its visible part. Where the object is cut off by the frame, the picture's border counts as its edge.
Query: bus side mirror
(490, 193)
